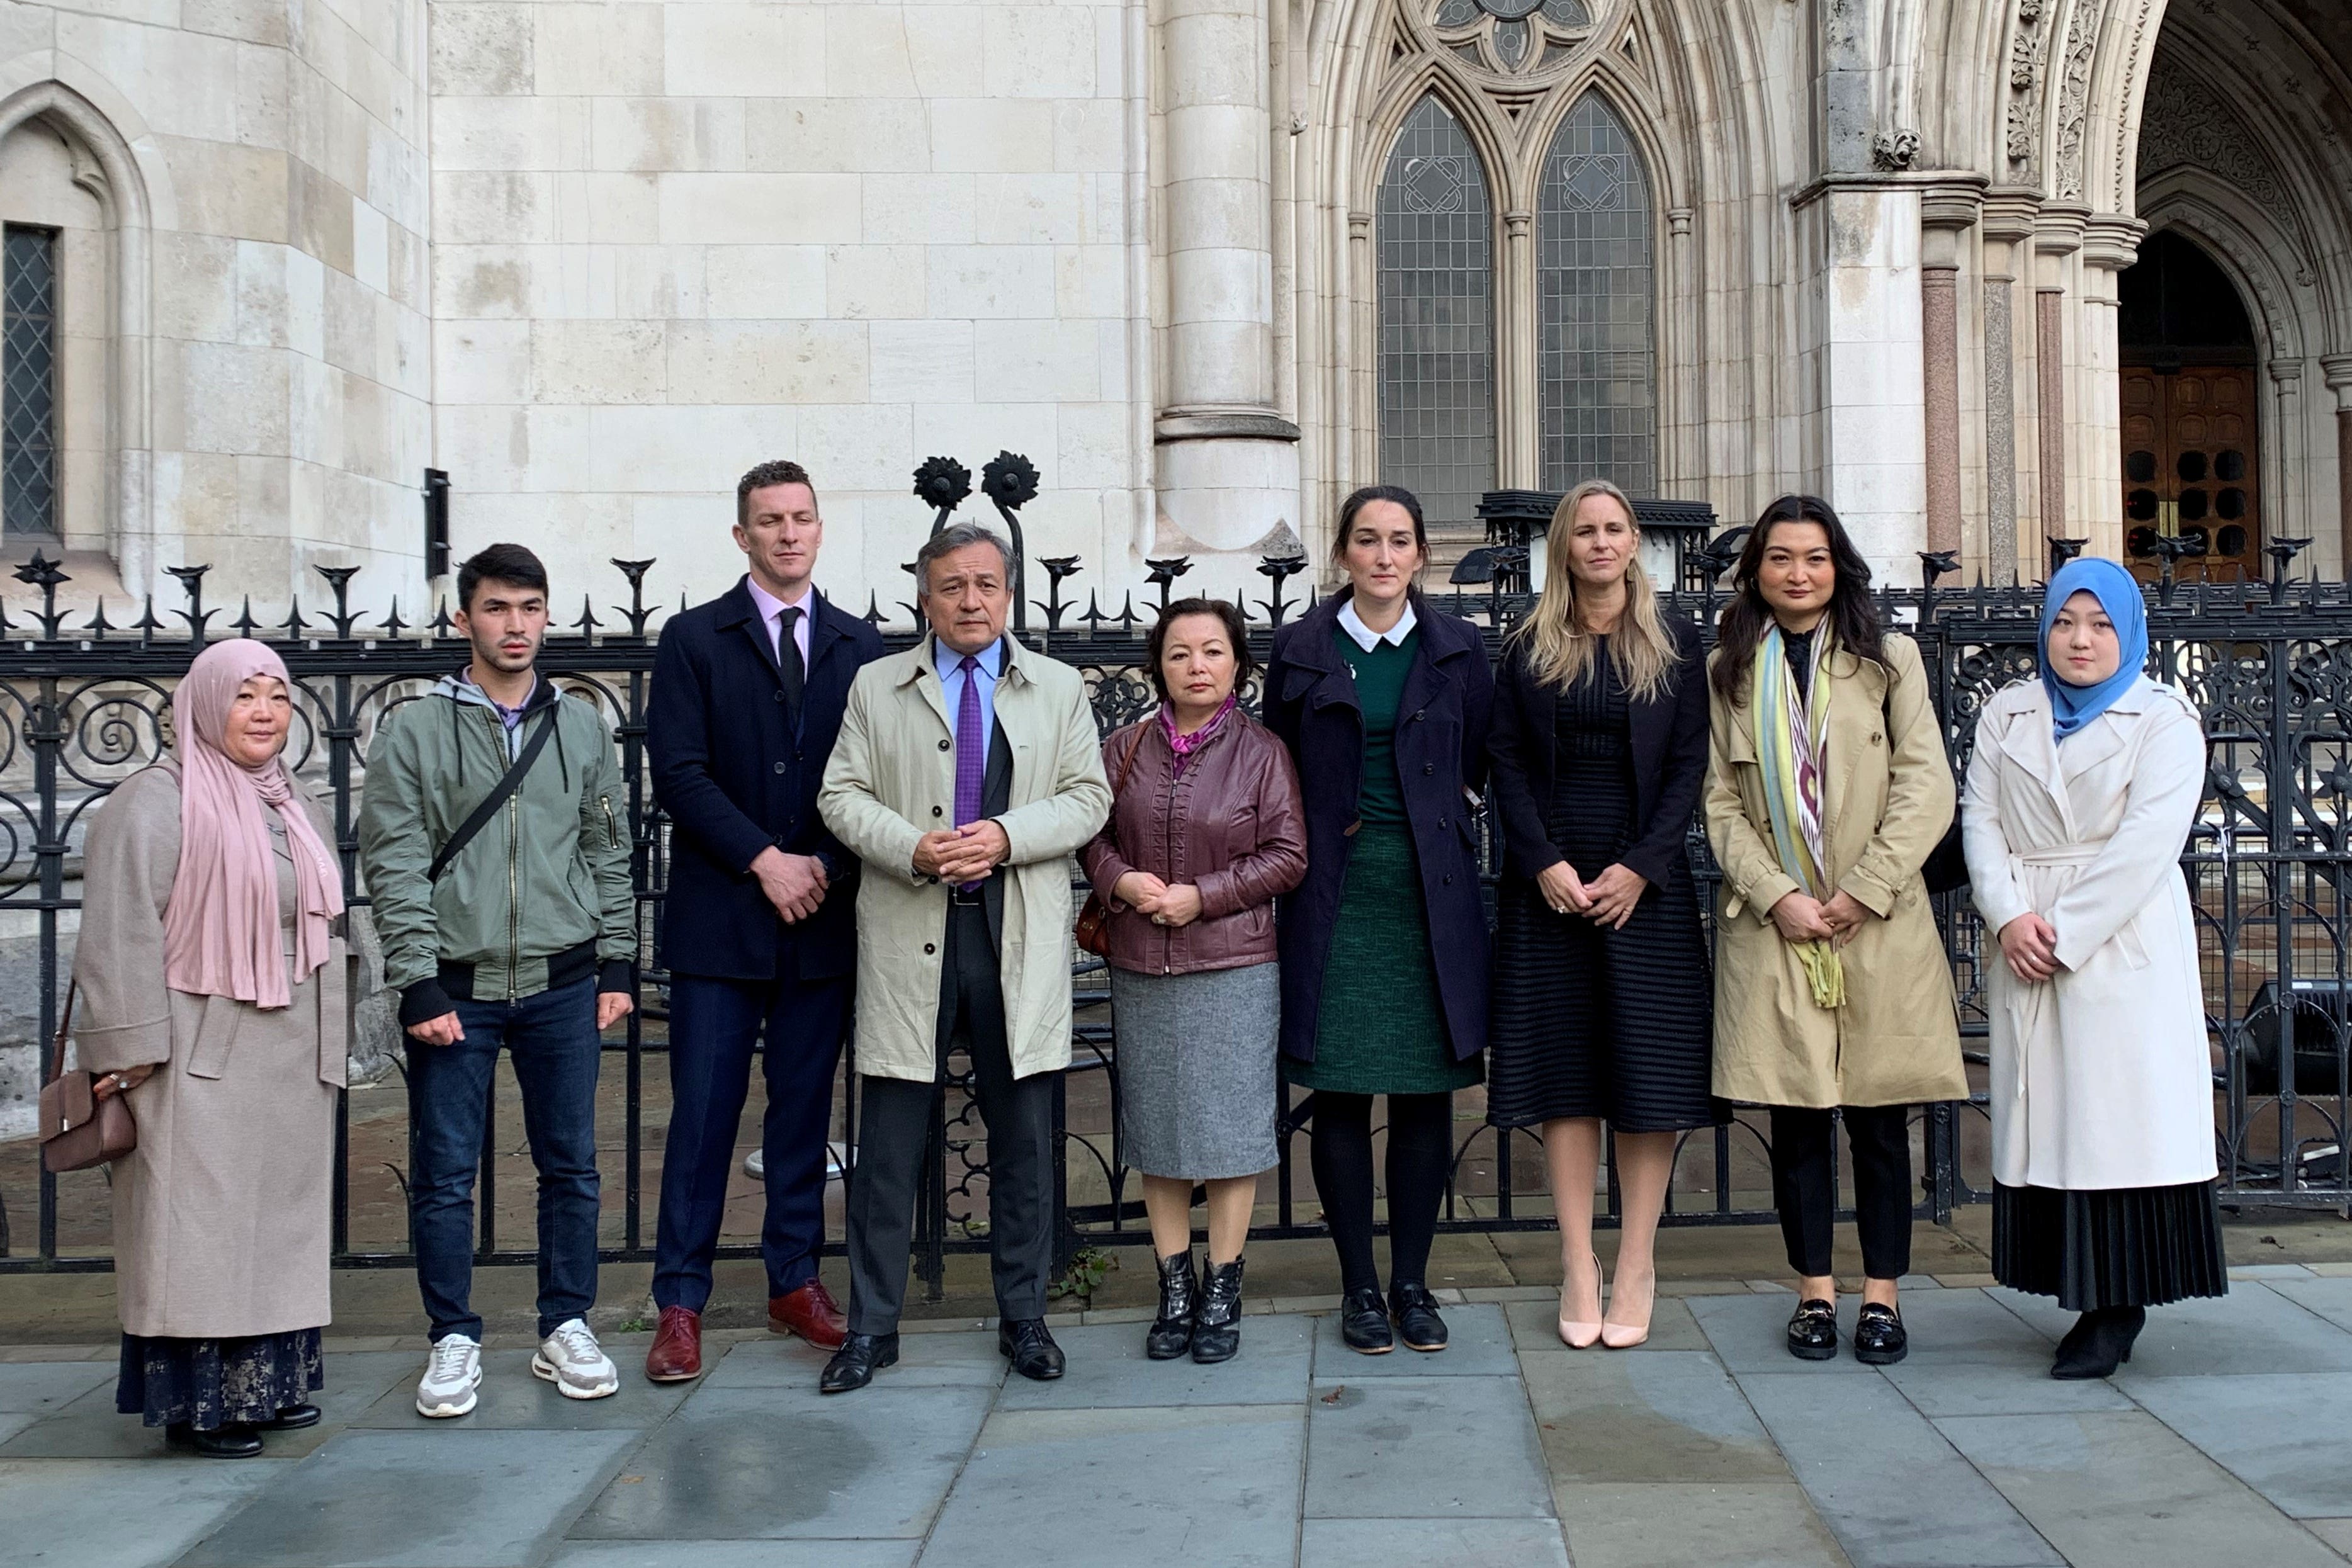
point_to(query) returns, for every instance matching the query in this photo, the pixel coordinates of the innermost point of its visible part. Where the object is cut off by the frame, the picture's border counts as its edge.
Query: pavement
(2221, 1443)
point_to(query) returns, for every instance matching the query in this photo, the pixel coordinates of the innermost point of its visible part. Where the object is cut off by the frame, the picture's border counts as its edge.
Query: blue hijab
(2119, 595)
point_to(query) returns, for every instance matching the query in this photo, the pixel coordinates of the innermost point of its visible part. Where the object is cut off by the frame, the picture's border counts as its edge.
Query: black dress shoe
(853, 1367)
(2106, 1343)
(1417, 1321)
(1813, 1331)
(1364, 1321)
(1217, 1332)
(1879, 1339)
(1171, 1332)
(236, 1441)
(1031, 1348)
(293, 1418)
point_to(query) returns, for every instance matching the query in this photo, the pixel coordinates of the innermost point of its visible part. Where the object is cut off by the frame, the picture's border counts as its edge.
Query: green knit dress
(1380, 1029)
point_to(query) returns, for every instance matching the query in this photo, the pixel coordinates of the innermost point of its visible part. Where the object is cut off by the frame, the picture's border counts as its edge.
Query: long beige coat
(1886, 800)
(2101, 1075)
(222, 1214)
(891, 779)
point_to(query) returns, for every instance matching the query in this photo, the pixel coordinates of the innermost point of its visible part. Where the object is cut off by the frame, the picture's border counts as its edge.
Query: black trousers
(894, 1126)
(1804, 1185)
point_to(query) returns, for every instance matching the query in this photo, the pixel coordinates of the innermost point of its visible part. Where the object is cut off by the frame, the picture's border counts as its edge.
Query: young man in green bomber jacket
(526, 940)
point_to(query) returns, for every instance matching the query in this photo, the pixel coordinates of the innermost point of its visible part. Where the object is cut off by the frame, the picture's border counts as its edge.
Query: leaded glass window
(29, 381)
(1595, 289)
(1437, 291)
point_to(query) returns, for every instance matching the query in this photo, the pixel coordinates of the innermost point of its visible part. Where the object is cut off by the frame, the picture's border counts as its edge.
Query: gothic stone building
(1983, 272)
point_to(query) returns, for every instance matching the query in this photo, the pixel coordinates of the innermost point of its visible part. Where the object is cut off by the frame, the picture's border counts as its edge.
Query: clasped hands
(1146, 895)
(2031, 946)
(1607, 900)
(1802, 917)
(962, 854)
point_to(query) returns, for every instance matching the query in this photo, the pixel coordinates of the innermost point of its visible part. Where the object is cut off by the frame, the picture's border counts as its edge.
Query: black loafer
(1879, 1338)
(293, 1418)
(1417, 1321)
(1364, 1321)
(1813, 1331)
(229, 1442)
(1031, 1348)
(853, 1367)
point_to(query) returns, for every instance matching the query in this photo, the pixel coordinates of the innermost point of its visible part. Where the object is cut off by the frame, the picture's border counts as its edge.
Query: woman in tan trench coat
(212, 996)
(1827, 788)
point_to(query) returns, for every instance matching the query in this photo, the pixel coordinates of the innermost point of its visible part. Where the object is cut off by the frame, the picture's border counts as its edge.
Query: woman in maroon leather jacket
(1205, 829)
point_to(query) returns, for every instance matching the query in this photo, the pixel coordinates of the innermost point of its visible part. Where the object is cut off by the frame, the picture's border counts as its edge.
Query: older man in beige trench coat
(967, 771)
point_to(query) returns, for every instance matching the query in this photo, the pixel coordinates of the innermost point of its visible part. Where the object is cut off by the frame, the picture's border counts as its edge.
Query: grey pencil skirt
(1196, 1071)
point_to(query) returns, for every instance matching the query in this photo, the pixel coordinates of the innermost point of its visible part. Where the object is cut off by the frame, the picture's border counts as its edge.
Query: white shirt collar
(1366, 638)
(770, 606)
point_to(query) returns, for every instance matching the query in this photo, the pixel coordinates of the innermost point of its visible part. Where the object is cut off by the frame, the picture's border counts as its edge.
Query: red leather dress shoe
(810, 1312)
(676, 1353)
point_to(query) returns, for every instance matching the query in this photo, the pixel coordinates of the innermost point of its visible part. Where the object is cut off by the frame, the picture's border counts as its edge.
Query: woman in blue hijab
(2082, 788)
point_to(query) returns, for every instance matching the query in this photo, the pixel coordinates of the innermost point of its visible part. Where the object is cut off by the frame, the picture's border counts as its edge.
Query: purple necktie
(972, 749)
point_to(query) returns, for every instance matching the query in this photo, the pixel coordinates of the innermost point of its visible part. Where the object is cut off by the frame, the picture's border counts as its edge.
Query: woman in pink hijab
(210, 966)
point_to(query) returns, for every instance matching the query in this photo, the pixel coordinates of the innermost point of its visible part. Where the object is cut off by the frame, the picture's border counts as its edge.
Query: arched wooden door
(2189, 469)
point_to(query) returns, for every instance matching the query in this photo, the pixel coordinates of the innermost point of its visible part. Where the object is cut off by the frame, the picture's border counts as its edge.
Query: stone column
(1228, 459)
(1945, 217)
(2057, 235)
(2007, 223)
(2110, 244)
(2287, 513)
(2337, 367)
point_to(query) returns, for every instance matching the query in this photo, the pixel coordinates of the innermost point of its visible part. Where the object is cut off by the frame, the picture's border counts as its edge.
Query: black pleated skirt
(2120, 1246)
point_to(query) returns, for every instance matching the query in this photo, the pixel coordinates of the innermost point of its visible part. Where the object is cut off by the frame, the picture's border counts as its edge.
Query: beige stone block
(1091, 280)
(975, 431)
(263, 95)
(606, 208)
(511, 133)
(655, 134)
(862, 446)
(875, 281)
(347, 335)
(184, 83)
(195, 287)
(318, 215)
(481, 50)
(482, 361)
(476, 281)
(315, 411)
(226, 189)
(408, 260)
(600, 49)
(992, 135)
(26, 28)
(1090, 135)
(1031, 209)
(1003, 281)
(1095, 445)
(371, 247)
(767, 361)
(1038, 51)
(919, 209)
(692, 537)
(848, 135)
(943, 49)
(597, 361)
(306, 303)
(700, 449)
(1039, 362)
(493, 208)
(84, 298)
(927, 362)
(262, 319)
(234, 398)
(758, 209)
(866, 52)
(495, 449)
(726, 50)
(196, 491)
(763, 280)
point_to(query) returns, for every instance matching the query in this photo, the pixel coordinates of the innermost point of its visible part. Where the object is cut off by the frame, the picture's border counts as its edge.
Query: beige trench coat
(1886, 802)
(223, 1214)
(891, 779)
(2101, 1075)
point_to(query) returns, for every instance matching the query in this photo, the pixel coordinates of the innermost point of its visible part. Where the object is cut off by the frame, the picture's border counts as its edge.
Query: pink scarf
(1183, 746)
(220, 927)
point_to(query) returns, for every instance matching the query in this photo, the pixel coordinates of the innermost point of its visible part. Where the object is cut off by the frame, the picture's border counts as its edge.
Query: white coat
(2101, 1075)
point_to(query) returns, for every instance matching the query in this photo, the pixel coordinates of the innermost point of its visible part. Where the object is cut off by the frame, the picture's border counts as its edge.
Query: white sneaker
(571, 1359)
(453, 1374)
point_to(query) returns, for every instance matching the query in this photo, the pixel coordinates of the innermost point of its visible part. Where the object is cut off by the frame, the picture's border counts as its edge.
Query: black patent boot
(1217, 1330)
(1171, 1332)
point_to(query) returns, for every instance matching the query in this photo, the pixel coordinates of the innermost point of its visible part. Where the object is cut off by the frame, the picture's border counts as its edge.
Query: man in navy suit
(760, 927)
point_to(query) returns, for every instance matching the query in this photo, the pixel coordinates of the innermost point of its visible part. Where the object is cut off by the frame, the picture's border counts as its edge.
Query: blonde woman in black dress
(1602, 1011)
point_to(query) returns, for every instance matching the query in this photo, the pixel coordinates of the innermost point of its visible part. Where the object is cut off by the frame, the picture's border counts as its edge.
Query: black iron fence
(82, 705)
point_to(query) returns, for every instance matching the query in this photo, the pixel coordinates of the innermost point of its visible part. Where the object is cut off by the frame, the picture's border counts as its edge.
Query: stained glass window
(1596, 297)
(1436, 292)
(28, 382)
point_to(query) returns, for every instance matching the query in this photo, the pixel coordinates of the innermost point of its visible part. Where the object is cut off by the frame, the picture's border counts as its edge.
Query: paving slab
(1667, 1414)
(1535, 1325)
(2337, 1532)
(1750, 1333)
(1478, 1344)
(1960, 1328)
(1883, 1480)
(2254, 1329)
(2122, 1491)
(2268, 1430)
(1108, 1369)
(1418, 1543)
(42, 1387)
(962, 1359)
(11, 1425)
(497, 1498)
(2000, 1389)
(91, 1429)
(1127, 1486)
(1755, 1524)
(758, 1463)
(512, 1399)
(150, 1515)
(2329, 1297)
(736, 1555)
(1423, 1447)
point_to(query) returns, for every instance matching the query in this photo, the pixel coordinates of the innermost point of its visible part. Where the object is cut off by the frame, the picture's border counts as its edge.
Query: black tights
(1420, 1152)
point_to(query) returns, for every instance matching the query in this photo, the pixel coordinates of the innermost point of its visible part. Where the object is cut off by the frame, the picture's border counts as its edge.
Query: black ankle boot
(1171, 1332)
(2104, 1343)
(1217, 1330)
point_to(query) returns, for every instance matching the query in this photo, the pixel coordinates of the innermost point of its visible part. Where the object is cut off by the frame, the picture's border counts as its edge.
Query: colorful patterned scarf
(1791, 727)
(1183, 746)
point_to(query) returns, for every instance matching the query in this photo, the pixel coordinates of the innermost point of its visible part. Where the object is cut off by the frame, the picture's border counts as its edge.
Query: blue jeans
(553, 1039)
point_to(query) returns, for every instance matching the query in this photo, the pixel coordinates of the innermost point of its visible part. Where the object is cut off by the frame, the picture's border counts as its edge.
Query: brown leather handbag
(1092, 932)
(79, 1128)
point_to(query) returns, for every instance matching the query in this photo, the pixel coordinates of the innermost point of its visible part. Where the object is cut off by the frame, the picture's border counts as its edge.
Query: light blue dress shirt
(951, 678)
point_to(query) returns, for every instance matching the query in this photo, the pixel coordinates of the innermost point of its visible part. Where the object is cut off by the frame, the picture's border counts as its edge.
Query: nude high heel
(1573, 1333)
(1619, 1335)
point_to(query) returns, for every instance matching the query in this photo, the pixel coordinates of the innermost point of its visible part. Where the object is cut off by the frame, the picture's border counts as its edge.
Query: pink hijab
(220, 928)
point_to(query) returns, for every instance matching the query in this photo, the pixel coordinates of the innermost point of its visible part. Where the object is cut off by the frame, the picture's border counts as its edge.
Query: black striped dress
(1590, 1022)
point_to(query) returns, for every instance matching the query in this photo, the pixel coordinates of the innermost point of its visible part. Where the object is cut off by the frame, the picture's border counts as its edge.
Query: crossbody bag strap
(496, 798)
(65, 1032)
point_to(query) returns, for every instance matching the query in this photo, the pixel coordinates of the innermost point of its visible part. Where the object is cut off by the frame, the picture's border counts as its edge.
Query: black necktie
(788, 657)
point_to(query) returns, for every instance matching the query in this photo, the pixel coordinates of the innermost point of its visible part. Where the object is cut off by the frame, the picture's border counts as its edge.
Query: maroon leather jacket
(1232, 826)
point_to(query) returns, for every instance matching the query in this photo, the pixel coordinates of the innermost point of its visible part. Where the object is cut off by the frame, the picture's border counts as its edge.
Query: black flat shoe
(1417, 1321)
(1217, 1330)
(853, 1367)
(1879, 1338)
(230, 1442)
(1364, 1321)
(2106, 1343)
(1813, 1331)
(1031, 1348)
(293, 1418)
(1171, 1332)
